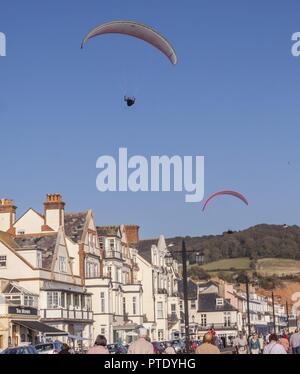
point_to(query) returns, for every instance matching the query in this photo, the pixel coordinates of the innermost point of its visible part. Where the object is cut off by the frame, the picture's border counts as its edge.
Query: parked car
(23, 350)
(49, 348)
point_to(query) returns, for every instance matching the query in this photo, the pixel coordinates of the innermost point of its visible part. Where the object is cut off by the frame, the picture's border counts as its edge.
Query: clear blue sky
(233, 97)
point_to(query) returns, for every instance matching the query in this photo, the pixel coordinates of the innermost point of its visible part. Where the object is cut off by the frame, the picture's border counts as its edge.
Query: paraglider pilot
(129, 100)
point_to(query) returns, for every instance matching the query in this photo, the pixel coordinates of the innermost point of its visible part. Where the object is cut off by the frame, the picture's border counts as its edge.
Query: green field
(278, 266)
(264, 266)
(241, 263)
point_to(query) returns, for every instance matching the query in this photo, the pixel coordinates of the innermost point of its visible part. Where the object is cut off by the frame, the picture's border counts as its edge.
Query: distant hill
(261, 241)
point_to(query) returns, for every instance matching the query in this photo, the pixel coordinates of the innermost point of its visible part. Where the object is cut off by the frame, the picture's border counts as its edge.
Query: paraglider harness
(129, 100)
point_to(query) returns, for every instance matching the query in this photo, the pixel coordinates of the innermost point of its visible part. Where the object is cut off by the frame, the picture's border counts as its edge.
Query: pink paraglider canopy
(232, 193)
(136, 30)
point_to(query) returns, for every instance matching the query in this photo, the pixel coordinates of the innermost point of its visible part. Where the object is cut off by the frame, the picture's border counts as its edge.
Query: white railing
(66, 314)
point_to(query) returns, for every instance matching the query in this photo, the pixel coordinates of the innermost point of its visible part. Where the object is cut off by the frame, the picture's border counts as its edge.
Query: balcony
(66, 314)
(162, 291)
(114, 254)
(218, 326)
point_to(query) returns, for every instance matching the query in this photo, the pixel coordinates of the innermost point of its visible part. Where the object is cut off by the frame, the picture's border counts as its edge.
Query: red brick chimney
(7, 214)
(132, 233)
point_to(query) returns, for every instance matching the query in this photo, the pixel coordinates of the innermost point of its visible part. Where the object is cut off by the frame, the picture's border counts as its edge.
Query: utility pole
(185, 296)
(273, 307)
(287, 317)
(248, 306)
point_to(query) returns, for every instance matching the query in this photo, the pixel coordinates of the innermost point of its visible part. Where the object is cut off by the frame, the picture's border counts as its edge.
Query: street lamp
(169, 262)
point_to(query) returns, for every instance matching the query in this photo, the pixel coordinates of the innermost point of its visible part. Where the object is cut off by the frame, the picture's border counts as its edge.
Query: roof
(41, 327)
(14, 287)
(192, 289)
(74, 225)
(7, 239)
(108, 230)
(208, 284)
(207, 303)
(44, 242)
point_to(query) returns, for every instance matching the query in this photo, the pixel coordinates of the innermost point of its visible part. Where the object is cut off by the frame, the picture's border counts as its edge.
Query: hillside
(261, 241)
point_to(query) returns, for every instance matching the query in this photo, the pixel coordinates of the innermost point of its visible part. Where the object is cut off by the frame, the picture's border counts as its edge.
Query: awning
(40, 327)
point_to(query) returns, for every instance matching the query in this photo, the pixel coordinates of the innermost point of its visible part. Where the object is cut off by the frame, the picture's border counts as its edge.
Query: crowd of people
(211, 344)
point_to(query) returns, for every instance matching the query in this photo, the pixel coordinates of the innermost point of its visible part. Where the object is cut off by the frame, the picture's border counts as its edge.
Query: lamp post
(273, 310)
(245, 279)
(169, 262)
(287, 317)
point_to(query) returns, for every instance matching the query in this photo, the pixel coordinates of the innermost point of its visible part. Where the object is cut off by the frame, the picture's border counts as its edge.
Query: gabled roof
(28, 210)
(108, 230)
(207, 303)
(14, 287)
(74, 225)
(7, 239)
(44, 242)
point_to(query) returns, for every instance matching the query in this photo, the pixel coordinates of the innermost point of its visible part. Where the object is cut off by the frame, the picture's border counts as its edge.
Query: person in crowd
(284, 341)
(274, 347)
(212, 330)
(295, 342)
(207, 347)
(170, 350)
(141, 345)
(261, 343)
(241, 344)
(65, 349)
(254, 345)
(100, 346)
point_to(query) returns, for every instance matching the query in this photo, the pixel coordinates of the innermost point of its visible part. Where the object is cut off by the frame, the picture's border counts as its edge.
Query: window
(203, 320)
(161, 335)
(102, 302)
(181, 305)
(124, 305)
(101, 243)
(63, 300)
(39, 262)
(76, 300)
(28, 300)
(219, 302)
(227, 319)
(111, 243)
(193, 304)
(109, 272)
(2, 262)
(134, 305)
(62, 264)
(21, 232)
(52, 300)
(69, 301)
(160, 310)
(173, 309)
(102, 330)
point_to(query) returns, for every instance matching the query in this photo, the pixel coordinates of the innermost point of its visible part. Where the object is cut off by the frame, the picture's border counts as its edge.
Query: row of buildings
(62, 276)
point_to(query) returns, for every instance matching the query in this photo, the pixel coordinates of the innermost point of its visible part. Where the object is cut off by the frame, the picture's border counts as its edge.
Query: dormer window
(219, 301)
(20, 232)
